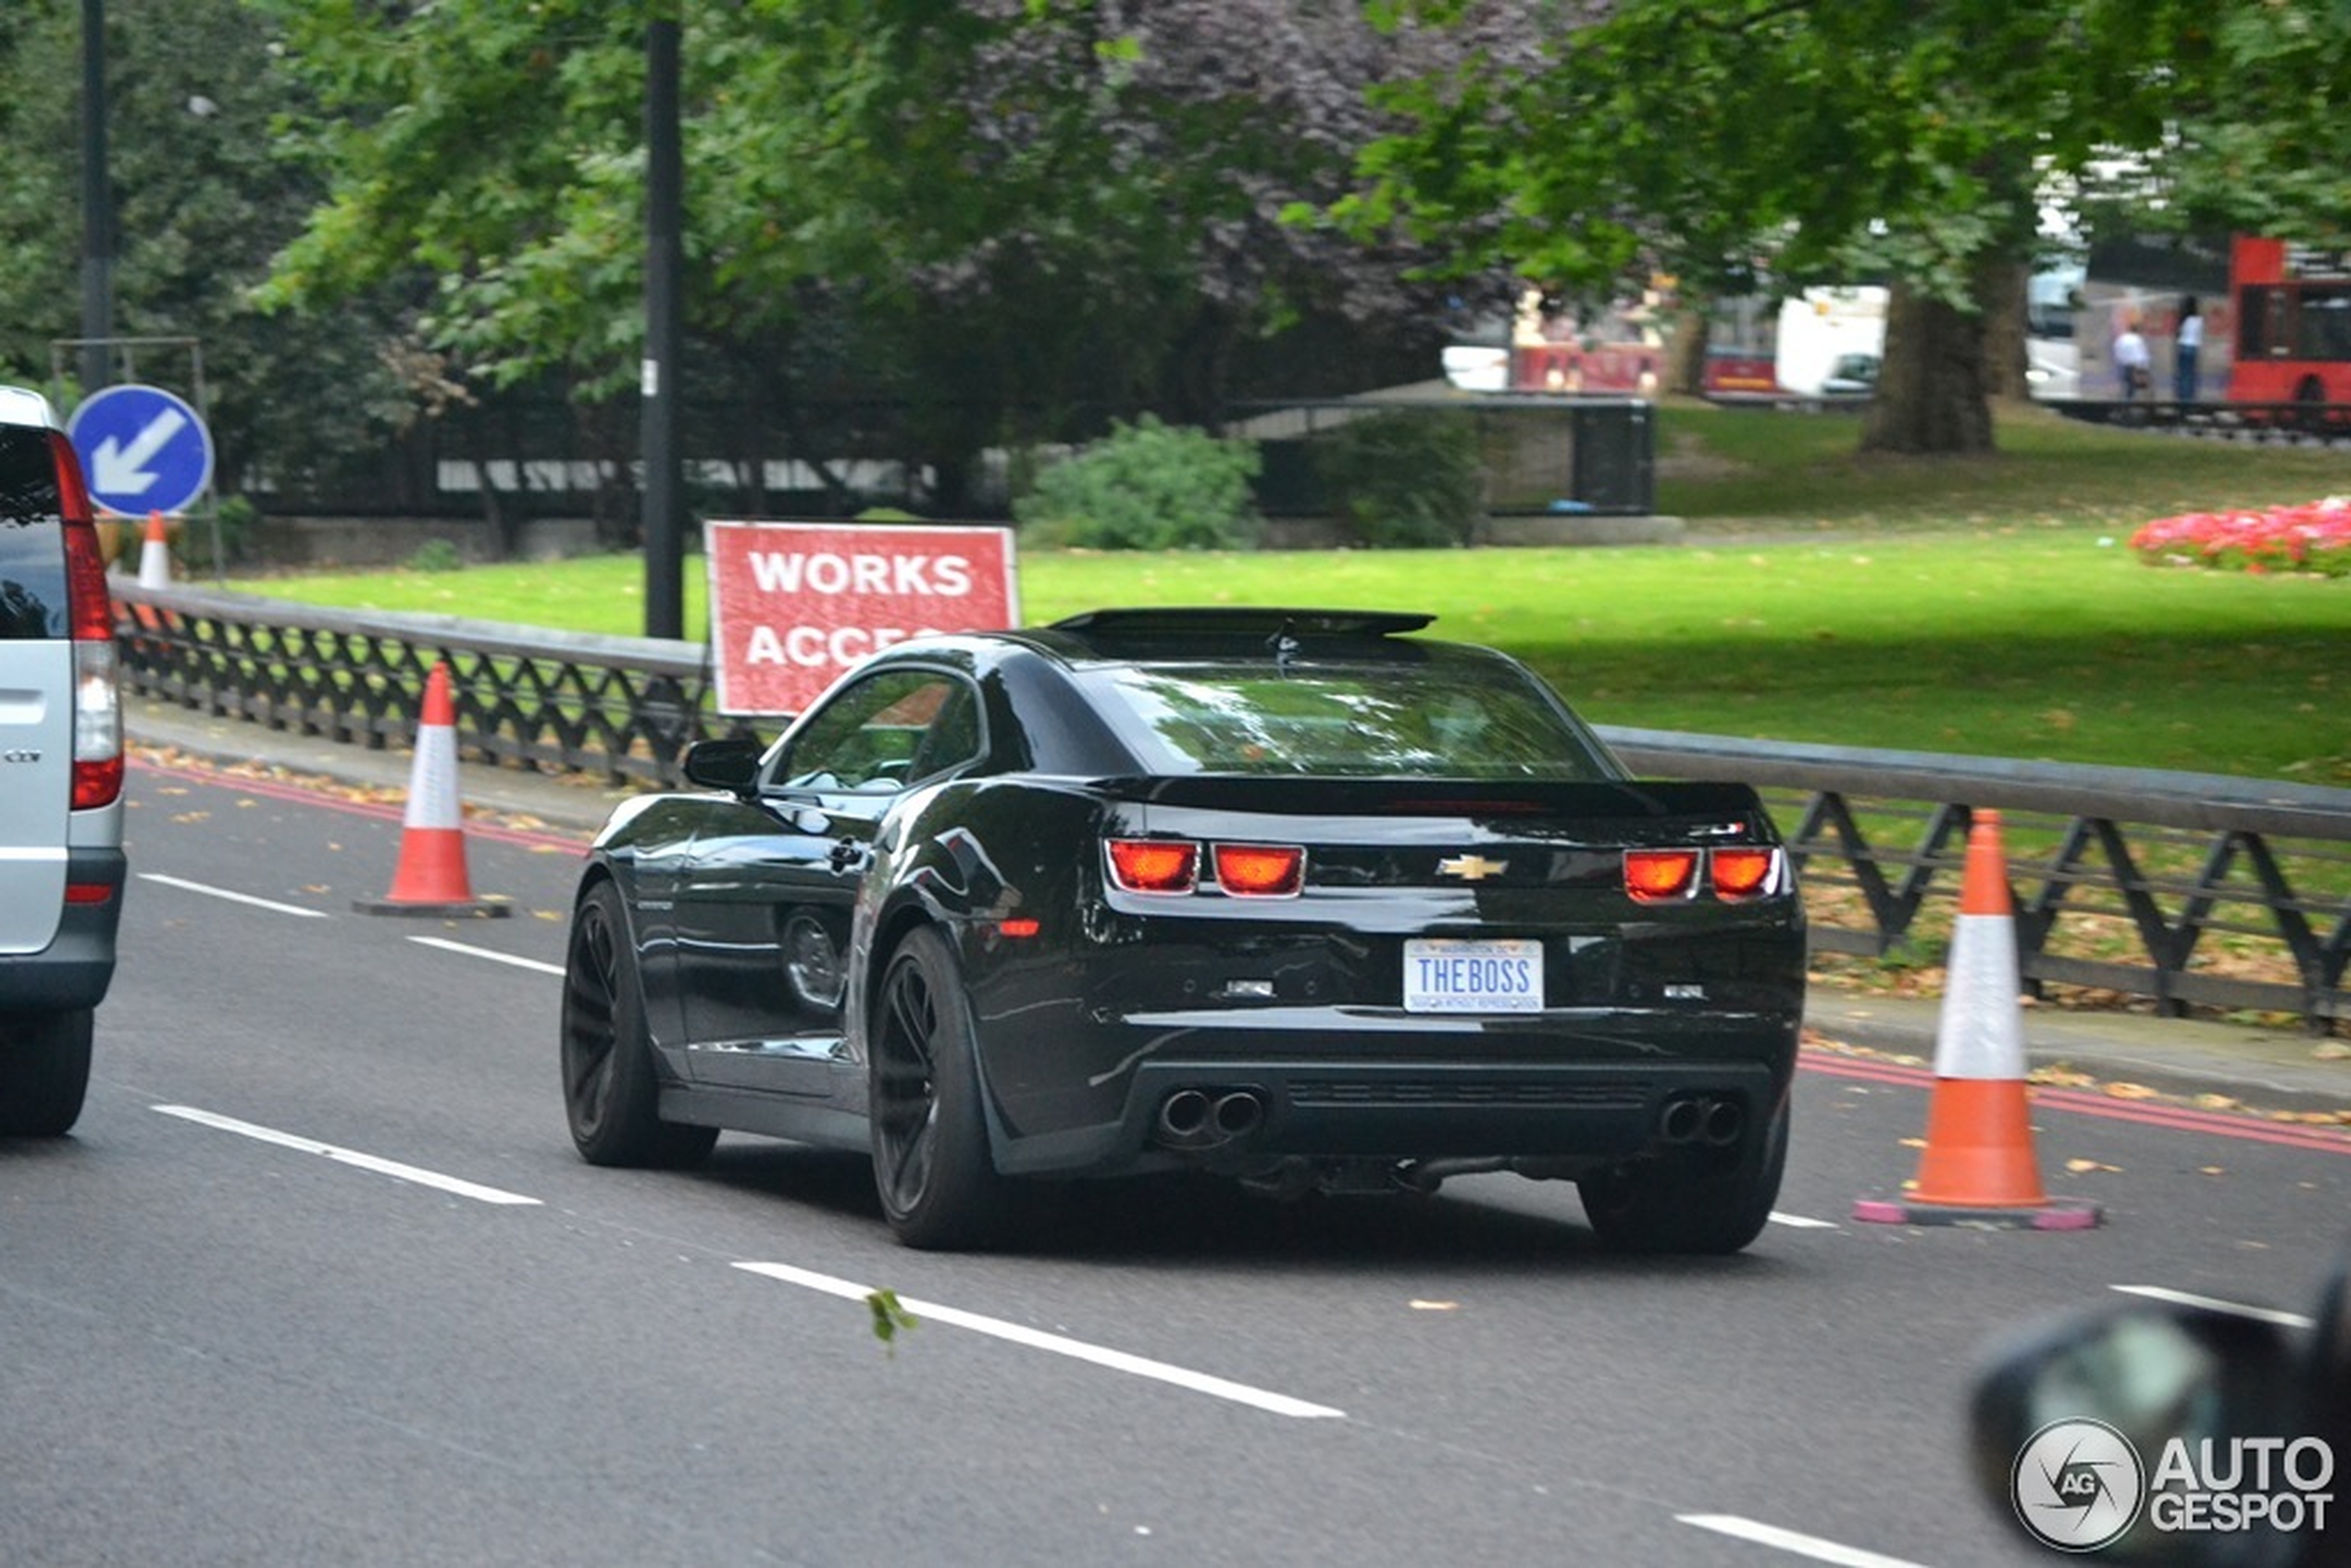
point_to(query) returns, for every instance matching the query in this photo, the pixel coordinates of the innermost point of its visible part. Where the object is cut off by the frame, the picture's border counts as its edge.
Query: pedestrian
(2130, 360)
(2187, 345)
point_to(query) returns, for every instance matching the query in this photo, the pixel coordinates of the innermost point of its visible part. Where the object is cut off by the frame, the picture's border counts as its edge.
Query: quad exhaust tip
(1199, 1118)
(1694, 1118)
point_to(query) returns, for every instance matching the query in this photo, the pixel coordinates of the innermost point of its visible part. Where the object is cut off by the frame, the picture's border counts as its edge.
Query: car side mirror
(2154, 1435)
(730, 763)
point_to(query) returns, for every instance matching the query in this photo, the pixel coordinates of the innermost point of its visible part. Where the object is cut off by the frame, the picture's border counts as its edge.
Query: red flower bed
(2314, 536)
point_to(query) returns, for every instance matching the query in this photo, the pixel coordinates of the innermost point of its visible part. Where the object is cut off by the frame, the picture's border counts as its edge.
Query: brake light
(1154, 865)
(98, 696)
(1658, 875)
(1261, 870)
(1743, 873)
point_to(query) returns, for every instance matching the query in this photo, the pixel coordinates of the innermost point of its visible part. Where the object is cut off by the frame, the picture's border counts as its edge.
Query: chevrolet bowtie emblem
(1472, 867)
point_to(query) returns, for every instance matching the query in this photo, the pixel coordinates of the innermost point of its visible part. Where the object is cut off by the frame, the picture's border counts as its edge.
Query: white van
(61, 860)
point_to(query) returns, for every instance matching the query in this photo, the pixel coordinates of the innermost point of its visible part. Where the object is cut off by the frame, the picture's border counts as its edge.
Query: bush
(435, 555)
(232, 523)
(1148, 486)
(1404, 480)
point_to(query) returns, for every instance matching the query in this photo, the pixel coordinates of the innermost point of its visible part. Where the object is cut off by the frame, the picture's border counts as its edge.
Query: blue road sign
(143, 450)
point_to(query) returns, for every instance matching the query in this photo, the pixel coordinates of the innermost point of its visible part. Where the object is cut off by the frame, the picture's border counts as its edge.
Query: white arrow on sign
(122, 471)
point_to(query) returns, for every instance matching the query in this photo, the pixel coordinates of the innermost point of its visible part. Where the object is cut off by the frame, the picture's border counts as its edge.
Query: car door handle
(850, 855)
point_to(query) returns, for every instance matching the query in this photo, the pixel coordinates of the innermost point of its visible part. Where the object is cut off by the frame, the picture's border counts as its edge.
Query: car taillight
(1154, 865)
(1658, 875)
(1735, 874)
(97, 697)
(1742, 873)
(1259, 870)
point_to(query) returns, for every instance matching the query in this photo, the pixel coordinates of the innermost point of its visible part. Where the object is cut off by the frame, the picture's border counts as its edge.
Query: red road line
(2081, 1103)
(283, 790)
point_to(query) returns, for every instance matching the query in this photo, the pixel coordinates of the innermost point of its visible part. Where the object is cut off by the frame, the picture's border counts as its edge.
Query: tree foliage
(999, 209)
(200, 202)
(1834, 140)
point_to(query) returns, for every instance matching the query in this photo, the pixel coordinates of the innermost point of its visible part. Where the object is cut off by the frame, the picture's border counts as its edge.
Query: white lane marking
(447, 946)
(209, 892)
(1812, 1547)
(2213, 1303)
(347, 1156)
(1117, 1360)
(1801, 1222)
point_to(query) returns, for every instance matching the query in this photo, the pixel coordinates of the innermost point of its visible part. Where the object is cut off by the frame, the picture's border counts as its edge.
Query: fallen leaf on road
(2130, 1091)
(2080, 1167)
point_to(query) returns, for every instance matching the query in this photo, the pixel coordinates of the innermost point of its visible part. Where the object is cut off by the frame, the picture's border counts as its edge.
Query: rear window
(32, 554)
(1461, 720)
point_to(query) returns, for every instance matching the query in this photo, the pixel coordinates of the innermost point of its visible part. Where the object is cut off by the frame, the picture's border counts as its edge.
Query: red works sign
(792, 605)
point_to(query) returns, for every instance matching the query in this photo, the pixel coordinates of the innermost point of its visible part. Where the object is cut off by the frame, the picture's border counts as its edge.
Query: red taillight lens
(1154, 865)
(1259, 870)
(88, 607)
(97, 703)
(1656, 875)
(1743, 873)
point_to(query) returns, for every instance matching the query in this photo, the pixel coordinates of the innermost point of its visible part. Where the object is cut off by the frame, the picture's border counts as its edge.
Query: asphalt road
(320, 1280)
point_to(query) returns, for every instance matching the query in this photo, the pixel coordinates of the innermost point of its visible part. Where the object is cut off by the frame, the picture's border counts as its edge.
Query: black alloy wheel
(937, 1183)
(612, 1096)
(1690, 1201)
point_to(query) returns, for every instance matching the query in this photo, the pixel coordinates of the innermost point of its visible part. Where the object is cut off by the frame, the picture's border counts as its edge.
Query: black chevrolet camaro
(1289, 896)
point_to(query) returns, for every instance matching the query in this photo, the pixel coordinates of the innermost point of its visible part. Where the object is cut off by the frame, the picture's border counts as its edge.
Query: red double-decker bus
(2293, 322)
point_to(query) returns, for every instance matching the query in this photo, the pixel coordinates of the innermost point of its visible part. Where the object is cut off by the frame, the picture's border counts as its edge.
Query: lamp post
(664, 532)
(97, 203)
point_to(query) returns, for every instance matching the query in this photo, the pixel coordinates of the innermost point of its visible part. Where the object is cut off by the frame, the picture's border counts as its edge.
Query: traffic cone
(155, 555)
(432, 876)
(1978, 1166)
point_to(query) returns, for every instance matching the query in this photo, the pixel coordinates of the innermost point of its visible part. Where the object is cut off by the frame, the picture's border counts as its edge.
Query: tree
(1016, 219)
(201, 202)
(1824, 140)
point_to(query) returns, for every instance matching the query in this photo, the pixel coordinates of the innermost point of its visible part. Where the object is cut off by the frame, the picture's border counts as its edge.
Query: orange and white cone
(432, 878)
(155, 555)
(1978, 1166)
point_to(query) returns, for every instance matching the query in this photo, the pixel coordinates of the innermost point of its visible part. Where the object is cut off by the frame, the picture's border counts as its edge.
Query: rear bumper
(75, 970)
(1237, 1110)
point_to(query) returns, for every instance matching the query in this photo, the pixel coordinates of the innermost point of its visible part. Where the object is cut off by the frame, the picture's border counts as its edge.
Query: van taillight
(98, 696)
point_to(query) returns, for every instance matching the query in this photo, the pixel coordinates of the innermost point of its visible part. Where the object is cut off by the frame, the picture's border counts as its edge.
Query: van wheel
(44, 1072)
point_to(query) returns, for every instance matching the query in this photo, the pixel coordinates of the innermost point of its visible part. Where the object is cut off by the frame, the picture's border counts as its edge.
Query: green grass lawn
(1986, 607)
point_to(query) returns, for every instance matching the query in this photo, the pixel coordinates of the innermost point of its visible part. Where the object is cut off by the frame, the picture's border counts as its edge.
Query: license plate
(1472, 975)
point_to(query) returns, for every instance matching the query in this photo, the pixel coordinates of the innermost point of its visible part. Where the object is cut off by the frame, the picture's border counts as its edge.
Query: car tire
(1686, 1204)
(937, 1182)
(612, 1095)
(44, 1072)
